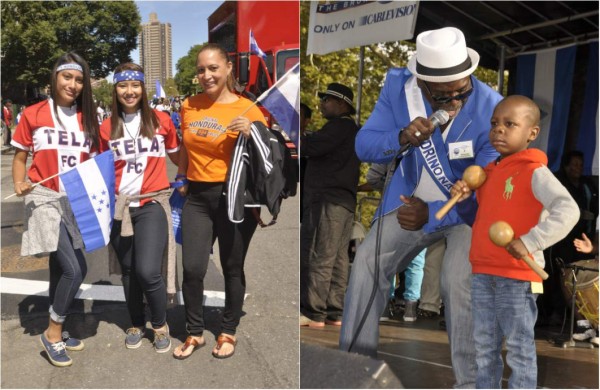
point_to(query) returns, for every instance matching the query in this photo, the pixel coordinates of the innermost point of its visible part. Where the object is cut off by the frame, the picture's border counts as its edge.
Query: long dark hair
(85, 100)
(149, 121)
(231, 82)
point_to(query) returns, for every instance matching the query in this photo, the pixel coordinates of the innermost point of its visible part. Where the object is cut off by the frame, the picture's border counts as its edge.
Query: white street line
(97, 292)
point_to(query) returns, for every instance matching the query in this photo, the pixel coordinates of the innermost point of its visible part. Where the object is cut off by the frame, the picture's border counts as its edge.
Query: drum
(587, 290)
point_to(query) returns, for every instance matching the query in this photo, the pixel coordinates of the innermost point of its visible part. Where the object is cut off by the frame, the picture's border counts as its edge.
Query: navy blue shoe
(71, 343)
(56, 352)
(134, 337)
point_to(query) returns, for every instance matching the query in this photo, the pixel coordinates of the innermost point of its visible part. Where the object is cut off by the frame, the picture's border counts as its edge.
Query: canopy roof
(519, 26)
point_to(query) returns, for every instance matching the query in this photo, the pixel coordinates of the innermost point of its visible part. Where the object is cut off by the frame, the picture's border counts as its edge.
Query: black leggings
(141, 257)
(204, 218)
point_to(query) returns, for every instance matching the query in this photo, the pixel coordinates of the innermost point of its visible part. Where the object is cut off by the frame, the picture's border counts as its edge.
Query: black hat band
(426, 71)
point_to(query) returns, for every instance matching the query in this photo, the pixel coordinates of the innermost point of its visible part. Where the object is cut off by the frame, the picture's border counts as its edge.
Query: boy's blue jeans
(504, 309)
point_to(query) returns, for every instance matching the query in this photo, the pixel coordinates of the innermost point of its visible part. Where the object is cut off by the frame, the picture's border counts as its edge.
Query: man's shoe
(594, 340)
(56, 352)
(389, 311)
(134, 337)
(305, 321)
(162, 341)
(584, 331)
(71, 343)
(426, 313)
(410, 311)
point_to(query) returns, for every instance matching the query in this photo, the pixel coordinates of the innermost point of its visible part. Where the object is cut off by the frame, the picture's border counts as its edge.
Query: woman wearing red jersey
(60, 133)
(211, 124)
(140, 139)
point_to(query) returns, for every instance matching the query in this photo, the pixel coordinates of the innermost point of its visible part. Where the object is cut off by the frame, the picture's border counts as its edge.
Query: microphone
(438, 118)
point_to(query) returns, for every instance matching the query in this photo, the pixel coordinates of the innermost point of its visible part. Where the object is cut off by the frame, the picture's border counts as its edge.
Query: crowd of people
(141, 135)
(416, 176)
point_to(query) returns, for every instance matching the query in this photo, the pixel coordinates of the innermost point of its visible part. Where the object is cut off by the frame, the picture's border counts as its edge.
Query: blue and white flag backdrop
(160, 92)
(546, 76)
(90, 187)
(587, 139)
(283, 102)
(254, 48)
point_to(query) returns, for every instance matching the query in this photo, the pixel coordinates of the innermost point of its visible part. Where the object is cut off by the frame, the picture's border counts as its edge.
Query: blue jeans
(504, 308)
(398, 248)
(414, 277)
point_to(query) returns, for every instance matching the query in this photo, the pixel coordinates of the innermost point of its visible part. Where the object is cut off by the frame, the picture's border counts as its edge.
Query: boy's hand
(461, 187)
(517, 249)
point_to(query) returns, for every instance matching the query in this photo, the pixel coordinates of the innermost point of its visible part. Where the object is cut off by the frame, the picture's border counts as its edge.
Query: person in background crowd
(140, 139)
(7, 117)
(305, 115)
(50, 227)
(331, 181)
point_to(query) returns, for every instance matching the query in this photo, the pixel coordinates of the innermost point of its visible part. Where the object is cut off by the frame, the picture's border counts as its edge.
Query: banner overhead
(340, 25)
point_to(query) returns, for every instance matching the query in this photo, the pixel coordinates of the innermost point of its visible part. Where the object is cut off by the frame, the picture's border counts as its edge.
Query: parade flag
(160, 92)
(587, 140)
(546, 76)
(90, 187)
(283, 102)
(254, 49)
(338, 25)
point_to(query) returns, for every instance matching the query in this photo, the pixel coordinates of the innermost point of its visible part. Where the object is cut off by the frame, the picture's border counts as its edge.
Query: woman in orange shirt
(211, 124)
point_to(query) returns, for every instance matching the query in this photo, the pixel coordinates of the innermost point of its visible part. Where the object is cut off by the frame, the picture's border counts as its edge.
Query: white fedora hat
(443, 56)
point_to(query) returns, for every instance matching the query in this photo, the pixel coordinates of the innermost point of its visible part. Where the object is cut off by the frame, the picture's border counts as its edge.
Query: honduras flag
(254, 49)
(160, 92)
(547, 77)
(283, 102)
(587, 140)
(90, 187)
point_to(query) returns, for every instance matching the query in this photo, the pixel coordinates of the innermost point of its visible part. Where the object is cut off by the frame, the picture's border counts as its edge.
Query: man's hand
(419, 130)
(414, 214)
(517, 249)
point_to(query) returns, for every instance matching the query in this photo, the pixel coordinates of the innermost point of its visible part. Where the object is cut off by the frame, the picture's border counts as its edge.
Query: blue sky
(189, 23)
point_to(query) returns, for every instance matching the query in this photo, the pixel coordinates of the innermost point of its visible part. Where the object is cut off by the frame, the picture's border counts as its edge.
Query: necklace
(133, 138)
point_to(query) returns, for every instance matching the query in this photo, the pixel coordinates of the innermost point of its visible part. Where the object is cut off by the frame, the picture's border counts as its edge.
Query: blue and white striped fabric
(254, 49)
(160, 92)
(547, 77)
(283, 102)
(90, 187)
(587, 140)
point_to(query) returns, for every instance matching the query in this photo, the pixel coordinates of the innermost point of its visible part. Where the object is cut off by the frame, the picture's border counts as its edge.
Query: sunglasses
(447, 99)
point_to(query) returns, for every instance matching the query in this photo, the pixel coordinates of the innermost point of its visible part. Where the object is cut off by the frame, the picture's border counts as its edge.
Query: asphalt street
(267, 353)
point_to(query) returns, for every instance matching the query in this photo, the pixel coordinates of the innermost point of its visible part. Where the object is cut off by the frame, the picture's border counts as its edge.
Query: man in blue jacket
(438, 77)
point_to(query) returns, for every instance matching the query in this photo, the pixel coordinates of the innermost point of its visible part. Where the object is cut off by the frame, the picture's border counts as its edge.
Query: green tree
(171, 88)
(103, 92)
(186, 71)
(35, 33)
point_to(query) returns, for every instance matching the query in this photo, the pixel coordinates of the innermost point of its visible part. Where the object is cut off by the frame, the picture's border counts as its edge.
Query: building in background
(154, 44)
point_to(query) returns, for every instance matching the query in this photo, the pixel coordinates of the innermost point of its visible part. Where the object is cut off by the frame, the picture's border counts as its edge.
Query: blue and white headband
(128, 75)
(70, 65)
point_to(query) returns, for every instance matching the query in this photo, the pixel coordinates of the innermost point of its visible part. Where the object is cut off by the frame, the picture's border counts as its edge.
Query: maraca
(501, 234)
(474, 176)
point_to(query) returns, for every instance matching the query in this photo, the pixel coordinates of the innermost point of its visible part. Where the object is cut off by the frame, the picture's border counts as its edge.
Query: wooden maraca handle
(445, 208)
(535, 267)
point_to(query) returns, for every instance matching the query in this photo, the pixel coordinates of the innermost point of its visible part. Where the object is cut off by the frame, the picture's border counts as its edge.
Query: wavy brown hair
(85, 100)
(149, 121)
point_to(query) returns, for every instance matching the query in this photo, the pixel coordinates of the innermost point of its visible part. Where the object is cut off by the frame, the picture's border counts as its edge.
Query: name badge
(459, 150)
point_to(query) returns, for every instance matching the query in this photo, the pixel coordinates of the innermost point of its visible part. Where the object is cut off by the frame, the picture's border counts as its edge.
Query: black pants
(203, 219)
(141, 257)
(67, 271)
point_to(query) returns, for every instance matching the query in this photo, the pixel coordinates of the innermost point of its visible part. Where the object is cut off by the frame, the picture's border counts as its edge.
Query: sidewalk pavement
(267, 353)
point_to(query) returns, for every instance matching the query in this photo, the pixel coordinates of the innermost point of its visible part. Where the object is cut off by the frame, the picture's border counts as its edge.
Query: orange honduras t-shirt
(208, 142)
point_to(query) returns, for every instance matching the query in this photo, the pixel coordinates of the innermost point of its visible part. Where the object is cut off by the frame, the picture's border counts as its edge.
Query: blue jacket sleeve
(377, 140)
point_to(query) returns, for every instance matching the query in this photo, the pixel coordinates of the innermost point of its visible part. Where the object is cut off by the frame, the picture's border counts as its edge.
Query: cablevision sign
(342, 24)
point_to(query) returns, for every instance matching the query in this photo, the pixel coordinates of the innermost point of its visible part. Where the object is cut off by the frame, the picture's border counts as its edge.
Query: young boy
(520, 190)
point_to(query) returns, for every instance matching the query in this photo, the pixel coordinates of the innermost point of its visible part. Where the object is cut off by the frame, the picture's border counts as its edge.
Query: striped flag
(254, 49)
(160, 92)
(283, 102)
(587, 140)
(90, 187)
(547, 77)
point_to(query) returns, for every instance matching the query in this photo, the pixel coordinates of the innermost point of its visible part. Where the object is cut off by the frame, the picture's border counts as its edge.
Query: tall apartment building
(154, 42)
